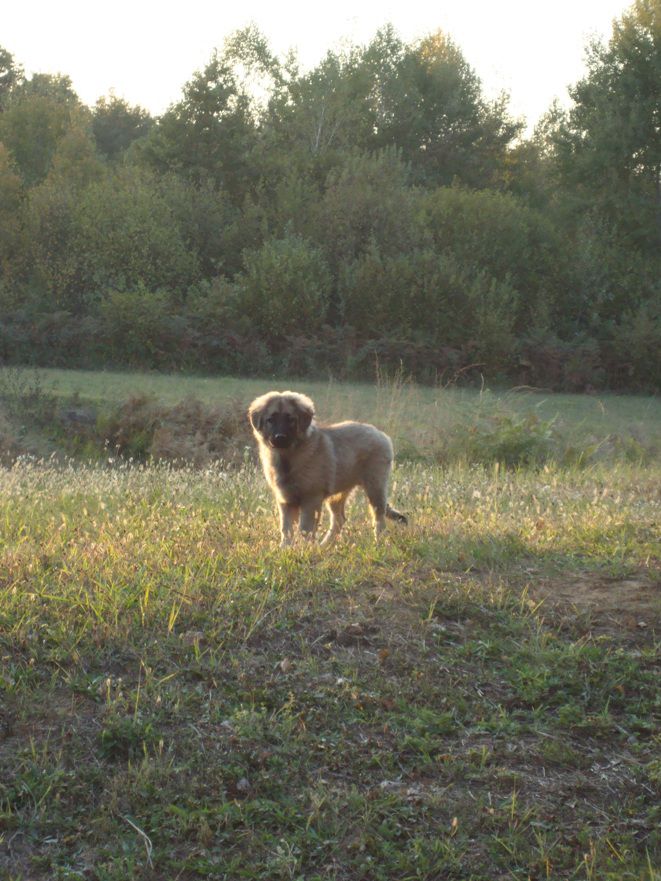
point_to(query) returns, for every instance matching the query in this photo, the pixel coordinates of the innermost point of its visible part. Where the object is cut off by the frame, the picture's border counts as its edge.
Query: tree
(423, 99)
(116, 125)
(437, 115)
(10, 76)
(11, 197)
(56, 87)
(319, 113)
(38, 115)
(609, 144)
(210, 133)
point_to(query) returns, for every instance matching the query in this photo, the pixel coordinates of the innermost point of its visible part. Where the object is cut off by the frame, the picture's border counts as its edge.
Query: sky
(145, 51)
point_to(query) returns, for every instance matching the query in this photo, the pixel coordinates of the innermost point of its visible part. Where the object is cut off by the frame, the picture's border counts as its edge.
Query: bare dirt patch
(630, 602)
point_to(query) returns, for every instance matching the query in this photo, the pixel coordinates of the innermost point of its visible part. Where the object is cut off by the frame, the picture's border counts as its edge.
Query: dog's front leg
(310, 514)
(288, 517)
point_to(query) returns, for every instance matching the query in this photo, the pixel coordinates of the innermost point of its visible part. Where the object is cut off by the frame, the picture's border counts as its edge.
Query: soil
(633, 602)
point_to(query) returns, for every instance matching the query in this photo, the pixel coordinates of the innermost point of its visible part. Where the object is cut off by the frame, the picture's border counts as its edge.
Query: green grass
(431, 423)
(474, 698)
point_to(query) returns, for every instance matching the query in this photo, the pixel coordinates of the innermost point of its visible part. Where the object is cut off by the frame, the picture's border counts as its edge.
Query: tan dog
(306, 464)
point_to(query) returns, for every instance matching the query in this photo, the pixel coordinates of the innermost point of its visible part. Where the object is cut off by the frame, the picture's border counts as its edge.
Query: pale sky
(145, 50)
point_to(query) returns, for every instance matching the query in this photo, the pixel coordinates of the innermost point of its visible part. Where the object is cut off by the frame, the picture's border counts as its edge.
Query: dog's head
(281, 418)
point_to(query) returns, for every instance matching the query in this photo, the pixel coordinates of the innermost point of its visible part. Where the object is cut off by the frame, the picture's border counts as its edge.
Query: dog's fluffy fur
(307, 464)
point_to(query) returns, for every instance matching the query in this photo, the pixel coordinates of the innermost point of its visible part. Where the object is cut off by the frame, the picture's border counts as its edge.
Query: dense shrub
(573, 366)
(634, 348)
(284, 287)
(366, 201)
(372, 210)
(431, 298)
(497, 235)
(139, 327)
(114, 234)
(382, 294)
(189, 431)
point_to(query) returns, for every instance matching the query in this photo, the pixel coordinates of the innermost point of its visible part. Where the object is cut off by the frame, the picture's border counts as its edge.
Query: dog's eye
(270, 420)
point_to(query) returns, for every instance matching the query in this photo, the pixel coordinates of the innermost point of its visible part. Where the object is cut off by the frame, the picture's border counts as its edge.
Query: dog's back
(360, 451)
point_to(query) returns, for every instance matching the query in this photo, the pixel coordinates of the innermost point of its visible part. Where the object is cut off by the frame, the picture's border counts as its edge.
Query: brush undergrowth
(179, 419)
(182, 699)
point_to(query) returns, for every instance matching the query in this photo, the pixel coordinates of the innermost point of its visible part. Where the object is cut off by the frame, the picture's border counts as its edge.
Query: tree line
(377, 209)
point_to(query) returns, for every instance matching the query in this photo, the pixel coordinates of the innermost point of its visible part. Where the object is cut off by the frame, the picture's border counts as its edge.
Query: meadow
(427, 423)
(475, 697)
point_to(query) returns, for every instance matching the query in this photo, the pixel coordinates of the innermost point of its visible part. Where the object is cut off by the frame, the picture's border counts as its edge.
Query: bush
(421, 361)
(283, 290)
(498, 236)
(117, 233)
(574, 366)
(139, 328)
(24, 397)
(432, 299)
(190, 431)
(511, 439)
(488, 320)
(366, 200)
(382, 294)
(633, 351)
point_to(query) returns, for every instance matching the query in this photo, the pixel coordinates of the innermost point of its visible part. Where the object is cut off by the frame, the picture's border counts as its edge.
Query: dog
(306, 464)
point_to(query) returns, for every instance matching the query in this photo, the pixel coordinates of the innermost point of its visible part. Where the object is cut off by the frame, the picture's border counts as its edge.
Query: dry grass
(182, 699)
(202, 419)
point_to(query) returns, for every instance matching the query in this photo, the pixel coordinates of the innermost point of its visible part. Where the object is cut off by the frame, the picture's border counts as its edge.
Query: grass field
(432, 423)
(477, 697)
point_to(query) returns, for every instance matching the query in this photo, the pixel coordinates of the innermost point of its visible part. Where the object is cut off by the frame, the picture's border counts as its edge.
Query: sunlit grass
(443, 424)
(124, 545)
(181, 698)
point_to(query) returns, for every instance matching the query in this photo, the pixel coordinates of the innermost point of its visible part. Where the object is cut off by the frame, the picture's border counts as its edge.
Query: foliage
(374, 208)
(31, 130)
(366, 200)
(135, 322)
(443, 124)
(495, 234)
(210, 132)
(608, 145)
(382, 296)
(284, 286)
(113, 234)
(423, 98)
(10, 75)
(11, 195)
(116, 125)
(636, 343)
(574, 365)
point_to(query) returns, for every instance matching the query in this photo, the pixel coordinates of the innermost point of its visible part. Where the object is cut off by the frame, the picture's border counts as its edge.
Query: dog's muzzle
(281, 441)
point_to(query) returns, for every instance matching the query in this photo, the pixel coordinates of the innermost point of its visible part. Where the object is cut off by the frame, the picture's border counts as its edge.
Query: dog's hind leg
(338, 517)
(376, 488)
(377, 494)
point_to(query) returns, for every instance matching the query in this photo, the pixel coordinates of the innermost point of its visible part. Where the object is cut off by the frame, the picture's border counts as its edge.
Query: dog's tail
(393, 514)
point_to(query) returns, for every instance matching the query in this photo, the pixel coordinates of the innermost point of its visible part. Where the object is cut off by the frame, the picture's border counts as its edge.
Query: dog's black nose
(280, 440)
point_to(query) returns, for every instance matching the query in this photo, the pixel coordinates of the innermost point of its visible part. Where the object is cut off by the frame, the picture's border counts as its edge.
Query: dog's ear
(304, 412)
(256, 414)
